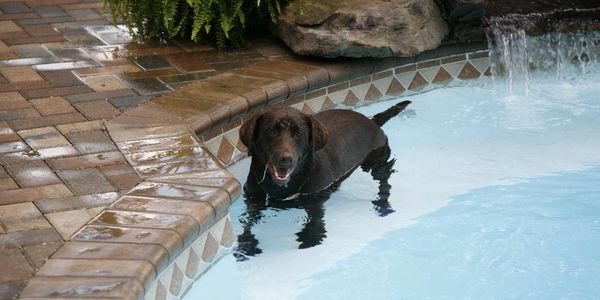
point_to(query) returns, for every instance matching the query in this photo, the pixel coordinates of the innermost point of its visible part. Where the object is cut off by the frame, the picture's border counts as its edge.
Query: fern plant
(225, 22)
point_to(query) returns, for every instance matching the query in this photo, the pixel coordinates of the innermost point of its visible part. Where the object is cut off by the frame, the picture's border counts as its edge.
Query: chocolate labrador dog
(299, 159)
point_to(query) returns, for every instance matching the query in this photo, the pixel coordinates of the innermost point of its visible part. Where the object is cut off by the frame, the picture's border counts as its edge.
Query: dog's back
(352, 136)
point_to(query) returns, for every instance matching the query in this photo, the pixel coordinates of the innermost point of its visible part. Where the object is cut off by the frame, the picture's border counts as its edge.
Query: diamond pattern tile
(429, 73)
(306, 109)
(351, 99)
(481, 64)
(315, 104)
(395, 88)
(468, 72)
(373, 94)
(327, 104)
(210, 248)
(442, 77)
(454, 68)
(418, 83)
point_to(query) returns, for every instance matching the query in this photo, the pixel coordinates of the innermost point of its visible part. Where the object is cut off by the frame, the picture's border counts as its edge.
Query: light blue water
(497, 196)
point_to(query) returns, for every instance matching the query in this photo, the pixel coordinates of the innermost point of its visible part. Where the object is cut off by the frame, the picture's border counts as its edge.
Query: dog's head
(281, 138)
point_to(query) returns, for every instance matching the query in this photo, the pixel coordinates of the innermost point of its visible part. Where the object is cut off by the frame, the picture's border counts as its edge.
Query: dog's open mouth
(280, 175)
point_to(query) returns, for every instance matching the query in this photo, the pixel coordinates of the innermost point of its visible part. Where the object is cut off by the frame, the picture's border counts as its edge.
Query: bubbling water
(515, 55)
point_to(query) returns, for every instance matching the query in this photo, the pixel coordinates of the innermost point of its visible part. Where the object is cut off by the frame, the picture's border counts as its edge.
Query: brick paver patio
(64, 70)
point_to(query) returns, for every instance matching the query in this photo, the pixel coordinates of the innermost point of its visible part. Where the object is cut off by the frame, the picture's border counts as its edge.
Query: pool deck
(98, 141)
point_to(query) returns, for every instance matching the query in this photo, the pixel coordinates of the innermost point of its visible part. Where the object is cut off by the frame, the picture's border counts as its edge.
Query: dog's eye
(296, 133)
(272, 132)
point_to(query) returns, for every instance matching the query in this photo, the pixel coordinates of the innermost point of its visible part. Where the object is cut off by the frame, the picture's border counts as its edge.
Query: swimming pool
(496, 195)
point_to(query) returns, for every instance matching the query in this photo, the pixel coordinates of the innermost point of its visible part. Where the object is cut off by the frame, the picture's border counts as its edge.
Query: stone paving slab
(65, 71)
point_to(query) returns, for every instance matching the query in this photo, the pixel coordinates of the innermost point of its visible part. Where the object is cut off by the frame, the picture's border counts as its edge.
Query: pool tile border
(177, 217)
(402, 81)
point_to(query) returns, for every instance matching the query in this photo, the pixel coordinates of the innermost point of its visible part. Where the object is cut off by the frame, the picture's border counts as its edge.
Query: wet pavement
(64, 71)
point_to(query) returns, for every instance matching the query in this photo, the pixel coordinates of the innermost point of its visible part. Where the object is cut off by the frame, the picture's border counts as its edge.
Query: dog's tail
(382, 117)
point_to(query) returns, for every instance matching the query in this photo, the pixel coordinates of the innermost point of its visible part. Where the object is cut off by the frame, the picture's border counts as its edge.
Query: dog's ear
(247, 130)
(318, 133)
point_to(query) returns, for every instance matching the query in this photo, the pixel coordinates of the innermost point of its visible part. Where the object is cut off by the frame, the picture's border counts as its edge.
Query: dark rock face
(535, 24)
(465, 17)
(360, 28)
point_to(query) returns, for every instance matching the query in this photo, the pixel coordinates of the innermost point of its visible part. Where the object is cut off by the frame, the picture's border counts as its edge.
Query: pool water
(496, 196)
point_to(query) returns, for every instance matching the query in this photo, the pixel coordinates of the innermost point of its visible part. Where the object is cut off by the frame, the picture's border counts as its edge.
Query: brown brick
(102, 83)
(61, 78)
(454, 58)
(20, 74)
(42, 138)
(404, 69)
(10, 290)
(85, 181)
(383, 75)
(22, 216)
(16, 114)
(50, 120)
(92, 142)
(14, 265)
(68, 222)
(30, 155)
(63, 286)
(96, 110)
(8, 27)
(78, 202)
(34, 193)
(154, 254)
(82, 5)
(8, 147)
(29, 237)
(33, 40)
(52, 106)
(7, 184)
(87, 161)
(81, 126)
(17, 86)
(121, 176)
(338, 87)
(55, 91)
(7, 134)
(101, 95)
(40, 29)
(33, 173)
(151, 73)
(191, 62)
(39, 253)
(360, 81)
(428, 64)
(13, 100)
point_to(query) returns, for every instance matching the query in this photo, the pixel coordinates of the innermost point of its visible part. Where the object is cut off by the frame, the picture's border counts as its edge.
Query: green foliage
(225, 22)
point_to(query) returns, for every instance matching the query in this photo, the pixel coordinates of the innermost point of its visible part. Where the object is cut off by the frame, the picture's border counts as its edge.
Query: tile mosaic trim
(401, 81)
(172, 227)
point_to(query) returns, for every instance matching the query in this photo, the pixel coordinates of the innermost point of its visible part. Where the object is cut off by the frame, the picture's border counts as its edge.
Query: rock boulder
(361, 28)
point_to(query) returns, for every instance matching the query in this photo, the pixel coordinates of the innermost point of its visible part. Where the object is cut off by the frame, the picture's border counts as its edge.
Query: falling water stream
(515, 55)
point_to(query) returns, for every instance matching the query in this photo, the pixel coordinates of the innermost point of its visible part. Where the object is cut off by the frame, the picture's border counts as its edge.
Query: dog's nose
(285, 161)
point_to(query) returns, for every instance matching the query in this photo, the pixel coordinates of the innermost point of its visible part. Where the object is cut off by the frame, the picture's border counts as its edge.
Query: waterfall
(517, 55)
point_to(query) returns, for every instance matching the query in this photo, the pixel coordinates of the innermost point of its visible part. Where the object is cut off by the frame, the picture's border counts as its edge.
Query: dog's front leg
(313, 232)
